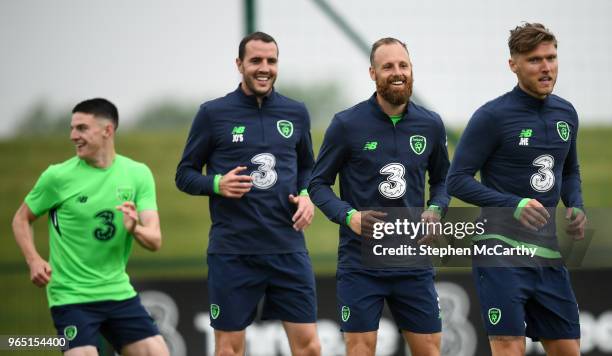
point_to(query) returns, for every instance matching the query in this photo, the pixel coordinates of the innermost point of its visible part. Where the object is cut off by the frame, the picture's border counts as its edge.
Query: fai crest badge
(346, 313)
(215, 310)
(418, 143)
(494, 316)
(285, 128)
(70, 332)
(563, 130)
(125, 194)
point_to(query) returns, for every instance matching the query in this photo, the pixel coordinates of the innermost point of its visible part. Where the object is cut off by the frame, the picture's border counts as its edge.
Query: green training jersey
(89, 246)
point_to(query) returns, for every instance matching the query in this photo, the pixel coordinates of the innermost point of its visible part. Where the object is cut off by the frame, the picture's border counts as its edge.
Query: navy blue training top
(273, 141)
(524, 147)
(380, 165)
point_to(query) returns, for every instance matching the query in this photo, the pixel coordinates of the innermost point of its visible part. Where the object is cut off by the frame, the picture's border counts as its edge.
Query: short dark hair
(527, 37)
(99, 107)
(255, 36)
(384, 41)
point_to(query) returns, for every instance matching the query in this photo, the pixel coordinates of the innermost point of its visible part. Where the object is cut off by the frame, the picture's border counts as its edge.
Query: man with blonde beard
(382, 164)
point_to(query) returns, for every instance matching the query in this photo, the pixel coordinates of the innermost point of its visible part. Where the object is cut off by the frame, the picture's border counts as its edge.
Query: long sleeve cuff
(349, 214)
(519, 208)
(216, 182)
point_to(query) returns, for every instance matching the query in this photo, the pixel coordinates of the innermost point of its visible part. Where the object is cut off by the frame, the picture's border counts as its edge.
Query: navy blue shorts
(120, 322)
(537, 302)
(236, 284)
(411, 296)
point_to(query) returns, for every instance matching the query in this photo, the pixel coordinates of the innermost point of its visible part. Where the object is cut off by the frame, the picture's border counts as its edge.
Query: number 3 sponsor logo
(265, 176)
(395, 185)
(107, 231)
(544, 180)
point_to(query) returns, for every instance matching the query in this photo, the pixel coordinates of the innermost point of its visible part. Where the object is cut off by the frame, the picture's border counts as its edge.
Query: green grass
(185, 219)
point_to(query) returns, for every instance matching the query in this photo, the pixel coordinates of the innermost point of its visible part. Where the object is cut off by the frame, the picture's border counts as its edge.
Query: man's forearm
(24, 236)
(148, 237)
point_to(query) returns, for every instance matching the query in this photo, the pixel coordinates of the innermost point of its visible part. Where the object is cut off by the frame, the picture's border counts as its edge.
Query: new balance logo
(370, 146)
(238, 134)
(524, 137)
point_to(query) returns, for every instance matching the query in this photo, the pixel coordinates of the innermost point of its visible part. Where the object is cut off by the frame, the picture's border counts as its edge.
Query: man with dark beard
(382, 148)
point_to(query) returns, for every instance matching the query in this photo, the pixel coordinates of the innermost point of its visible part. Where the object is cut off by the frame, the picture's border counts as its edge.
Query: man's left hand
(428, 217)
(305, 211)
(130, 215)
(578, 220)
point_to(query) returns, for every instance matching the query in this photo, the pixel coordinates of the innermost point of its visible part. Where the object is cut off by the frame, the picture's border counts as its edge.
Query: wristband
(519, 208)
(216, 183)
(348, 216)
(436, 209)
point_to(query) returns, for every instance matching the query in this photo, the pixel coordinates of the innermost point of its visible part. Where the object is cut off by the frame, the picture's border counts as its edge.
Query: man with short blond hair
(524, 145)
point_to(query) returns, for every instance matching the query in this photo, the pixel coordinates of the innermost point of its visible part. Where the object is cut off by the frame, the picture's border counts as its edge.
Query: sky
(140, 51)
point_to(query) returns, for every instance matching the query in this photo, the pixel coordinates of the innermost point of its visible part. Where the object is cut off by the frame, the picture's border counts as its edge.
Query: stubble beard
(251, 84)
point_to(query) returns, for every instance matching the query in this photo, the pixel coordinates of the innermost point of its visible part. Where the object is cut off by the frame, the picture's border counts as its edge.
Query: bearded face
(392, 71)
(396, 89)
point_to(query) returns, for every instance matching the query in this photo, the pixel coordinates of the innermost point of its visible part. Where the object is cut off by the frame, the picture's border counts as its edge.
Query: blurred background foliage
(157, 138)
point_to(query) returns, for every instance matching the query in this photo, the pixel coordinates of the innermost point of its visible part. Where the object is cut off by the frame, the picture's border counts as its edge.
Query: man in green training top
(98, 202)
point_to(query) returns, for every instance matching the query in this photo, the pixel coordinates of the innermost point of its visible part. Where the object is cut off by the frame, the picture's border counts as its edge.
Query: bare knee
(229, 343)
(151, 346)
(310, 348)
(228, 350)
(303, 338)
(360, 344)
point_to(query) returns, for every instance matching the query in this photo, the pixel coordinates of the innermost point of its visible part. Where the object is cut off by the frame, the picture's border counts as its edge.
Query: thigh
(82, 351)
(303, 338)
(236, 283)
(561, 347)
(127, 322)
(360, 297)
(414, 302)
(423, 344)
(507, 345)
(290, 293)
(553, 311)
(78, 323)
(360, 343)
(153, 345)
(503, 293)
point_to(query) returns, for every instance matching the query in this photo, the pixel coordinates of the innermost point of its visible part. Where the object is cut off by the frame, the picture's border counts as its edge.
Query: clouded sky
(135, 52)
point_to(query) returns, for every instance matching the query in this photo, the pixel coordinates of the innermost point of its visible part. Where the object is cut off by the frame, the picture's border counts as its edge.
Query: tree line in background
(323, 101)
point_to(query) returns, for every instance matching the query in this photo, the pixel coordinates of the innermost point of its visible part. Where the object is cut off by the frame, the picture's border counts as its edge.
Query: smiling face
(90, 135)
(536, 70)
(258, 67)
(392, 71)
